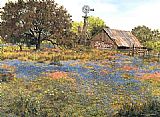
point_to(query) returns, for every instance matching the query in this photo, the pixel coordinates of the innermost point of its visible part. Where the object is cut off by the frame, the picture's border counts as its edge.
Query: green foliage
(145, 34)
(76, 25)
(1, 42)
(95, 24)
(32, 22)
(156, 35)
(154, 45)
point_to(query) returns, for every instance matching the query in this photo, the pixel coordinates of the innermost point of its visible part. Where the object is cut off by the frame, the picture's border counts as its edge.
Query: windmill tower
(85, 9)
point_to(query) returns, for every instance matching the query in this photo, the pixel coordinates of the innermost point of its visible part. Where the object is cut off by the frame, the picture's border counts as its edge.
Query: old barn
(115, 39)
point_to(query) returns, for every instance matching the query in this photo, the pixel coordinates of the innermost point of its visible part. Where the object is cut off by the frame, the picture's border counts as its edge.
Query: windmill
(85, 9)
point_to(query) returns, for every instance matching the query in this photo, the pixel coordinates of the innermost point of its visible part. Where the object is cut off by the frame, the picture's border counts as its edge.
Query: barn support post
(129, 51)
(133, 50)
(144, 54)
(158, 56)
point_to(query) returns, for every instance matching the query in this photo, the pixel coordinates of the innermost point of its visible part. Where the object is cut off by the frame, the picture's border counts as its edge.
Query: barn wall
(102, 41)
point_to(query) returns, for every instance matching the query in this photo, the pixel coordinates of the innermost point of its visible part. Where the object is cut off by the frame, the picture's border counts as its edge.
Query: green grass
(72, 98)
(47, 55)
(66, 98)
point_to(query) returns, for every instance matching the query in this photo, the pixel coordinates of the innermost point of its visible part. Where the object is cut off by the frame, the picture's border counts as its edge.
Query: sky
(117, 14)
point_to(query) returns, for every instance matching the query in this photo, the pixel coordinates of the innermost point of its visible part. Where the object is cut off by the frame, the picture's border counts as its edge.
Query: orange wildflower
(128, 68)
(58, 75)
(151, 76)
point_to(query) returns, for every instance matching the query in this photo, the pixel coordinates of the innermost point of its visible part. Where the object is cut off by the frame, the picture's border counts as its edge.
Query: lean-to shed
(115, 39)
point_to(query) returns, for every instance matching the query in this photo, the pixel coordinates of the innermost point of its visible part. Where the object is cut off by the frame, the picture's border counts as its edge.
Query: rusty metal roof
(123, 38)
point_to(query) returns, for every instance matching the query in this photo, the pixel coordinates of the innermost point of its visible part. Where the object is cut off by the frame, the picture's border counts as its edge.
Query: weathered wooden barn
(115, 39)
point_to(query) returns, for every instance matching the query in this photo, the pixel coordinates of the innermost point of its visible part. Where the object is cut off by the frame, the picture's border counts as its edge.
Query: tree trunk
(20, 47)
(38, 44)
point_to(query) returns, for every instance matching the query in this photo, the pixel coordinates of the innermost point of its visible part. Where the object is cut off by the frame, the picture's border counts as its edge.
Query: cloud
(148, 14)
(144, 14)
(120, 14)
(2, 2)
(74, 7)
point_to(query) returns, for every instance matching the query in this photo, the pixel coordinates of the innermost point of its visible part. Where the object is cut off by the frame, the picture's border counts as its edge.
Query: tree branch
(32, 32)
(50, 41)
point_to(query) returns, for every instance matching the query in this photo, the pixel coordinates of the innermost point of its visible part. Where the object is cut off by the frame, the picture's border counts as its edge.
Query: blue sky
(118, 14)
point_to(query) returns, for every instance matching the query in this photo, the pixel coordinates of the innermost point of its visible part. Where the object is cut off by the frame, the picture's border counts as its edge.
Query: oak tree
(143, 33)
(34, 21)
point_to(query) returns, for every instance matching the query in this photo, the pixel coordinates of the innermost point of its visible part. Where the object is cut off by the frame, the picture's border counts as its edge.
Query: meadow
(81, 82)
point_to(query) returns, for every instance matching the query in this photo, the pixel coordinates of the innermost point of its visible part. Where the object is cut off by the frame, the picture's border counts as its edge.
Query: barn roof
(123, 38)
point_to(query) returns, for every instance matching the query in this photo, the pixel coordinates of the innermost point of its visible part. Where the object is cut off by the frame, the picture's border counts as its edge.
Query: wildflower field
(78, 83)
